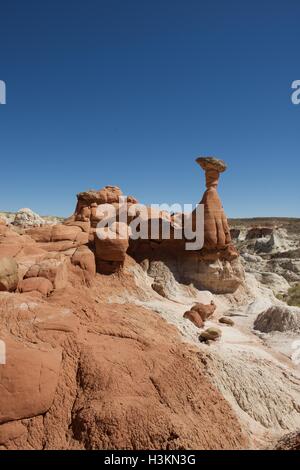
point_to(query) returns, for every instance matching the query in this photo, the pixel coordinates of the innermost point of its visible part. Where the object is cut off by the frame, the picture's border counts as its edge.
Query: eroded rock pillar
(216, 229)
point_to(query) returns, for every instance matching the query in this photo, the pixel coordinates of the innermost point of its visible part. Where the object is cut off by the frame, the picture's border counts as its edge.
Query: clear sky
(130, 92)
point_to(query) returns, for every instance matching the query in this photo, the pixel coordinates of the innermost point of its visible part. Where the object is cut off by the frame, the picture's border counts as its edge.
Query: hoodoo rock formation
(215, 267)
(216, 229)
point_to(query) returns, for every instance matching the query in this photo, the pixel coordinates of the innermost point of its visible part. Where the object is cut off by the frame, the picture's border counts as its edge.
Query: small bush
(293, 296)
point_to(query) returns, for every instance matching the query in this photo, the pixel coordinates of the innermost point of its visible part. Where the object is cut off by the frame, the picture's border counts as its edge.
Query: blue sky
(130, 92)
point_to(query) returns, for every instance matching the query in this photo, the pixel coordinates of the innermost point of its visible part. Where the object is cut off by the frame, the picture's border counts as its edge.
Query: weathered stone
(211, 334)
(24, 395)
(216, 229)
(8, 274)
(41, 234)
(226, 321)
(55, 270)
(194, 317)
(40, 284)
(278, 318)
(205, 311)
(113, 244)
(64, 232)
(85, 258)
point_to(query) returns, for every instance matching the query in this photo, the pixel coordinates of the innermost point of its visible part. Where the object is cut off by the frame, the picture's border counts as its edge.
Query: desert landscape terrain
(140, 344)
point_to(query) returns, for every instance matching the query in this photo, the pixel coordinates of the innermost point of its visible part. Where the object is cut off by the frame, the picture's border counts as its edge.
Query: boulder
(204, 310)
(194, 317)
(84, 258)
(112, 242)
(40, 284)
(226, 321)
(53, 269)
(210, 334)
(278, 318)
(8, 274)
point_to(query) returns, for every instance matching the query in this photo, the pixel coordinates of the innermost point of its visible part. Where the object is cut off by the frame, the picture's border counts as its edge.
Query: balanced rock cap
(211, 163)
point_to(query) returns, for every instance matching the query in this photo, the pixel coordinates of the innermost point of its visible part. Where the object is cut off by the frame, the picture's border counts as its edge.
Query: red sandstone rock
(40, 284)
(152, 392)
(108, 194)
(216, 229)
(28, 380)
(8, 274)
(11, 431)
(53, 269)
(82, 238)
(85, 226)
(113, 244)
(205, 311)
(41, 234)
(64, 232)
(85, 258)
(9, 249)
(194, 317)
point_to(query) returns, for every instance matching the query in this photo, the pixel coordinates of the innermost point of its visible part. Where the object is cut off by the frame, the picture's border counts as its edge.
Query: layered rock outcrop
(215, 266)
(8, 274)
(39, 258)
